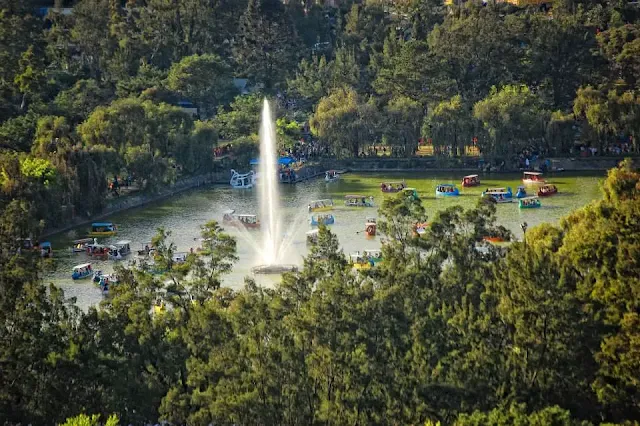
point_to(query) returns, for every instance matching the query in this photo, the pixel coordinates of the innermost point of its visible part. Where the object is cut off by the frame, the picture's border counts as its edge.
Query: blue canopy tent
(284, 161)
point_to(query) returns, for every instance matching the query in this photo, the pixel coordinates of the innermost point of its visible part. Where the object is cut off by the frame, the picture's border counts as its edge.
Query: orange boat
(471, 180)
(546, 190)
(370, 227)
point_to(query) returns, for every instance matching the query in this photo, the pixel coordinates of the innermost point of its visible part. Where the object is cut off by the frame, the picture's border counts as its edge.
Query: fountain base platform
(273, 269)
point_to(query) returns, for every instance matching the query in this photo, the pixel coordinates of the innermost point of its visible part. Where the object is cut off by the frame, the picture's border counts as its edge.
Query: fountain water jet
(273, 246)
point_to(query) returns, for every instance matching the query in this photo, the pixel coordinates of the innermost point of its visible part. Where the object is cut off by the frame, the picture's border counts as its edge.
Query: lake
(184, 214)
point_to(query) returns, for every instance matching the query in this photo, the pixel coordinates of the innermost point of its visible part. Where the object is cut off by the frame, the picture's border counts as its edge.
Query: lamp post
(524, 227)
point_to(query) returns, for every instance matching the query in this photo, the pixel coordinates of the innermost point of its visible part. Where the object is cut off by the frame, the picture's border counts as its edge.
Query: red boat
(471, 180)
(546, 190)
(392, 186)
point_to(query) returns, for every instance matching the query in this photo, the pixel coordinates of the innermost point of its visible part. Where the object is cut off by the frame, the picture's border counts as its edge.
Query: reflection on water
(184, 214)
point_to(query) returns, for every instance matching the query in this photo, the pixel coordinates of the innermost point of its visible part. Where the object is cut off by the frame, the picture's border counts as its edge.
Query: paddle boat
(529, 203)
(81, 271)
(242, 181)
(331, 176)
(97, 250)
(120, 249)
(312, 236)
(494, 239)
(506, 192)
(410, 193)
(470, 180)
(146, 249)
(79, 246)
(499, 197)
(546, 190)
(392, 186)
(320, 206)
(533, 178)
(103, 229)
(522, 192)
(249, 221)
(447, 190)
(359, 262)
(370, 227)
(45, 249)
(358, 201)
(420, 228)
(324, 219)
(373, 256)
(179, 258)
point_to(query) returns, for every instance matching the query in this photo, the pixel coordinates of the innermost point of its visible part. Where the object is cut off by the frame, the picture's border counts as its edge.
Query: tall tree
(267, 43)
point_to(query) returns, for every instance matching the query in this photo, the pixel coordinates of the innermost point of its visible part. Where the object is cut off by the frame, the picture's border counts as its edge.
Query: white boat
(331, 176)
(242, 181)
(120, 249)
(320, 205)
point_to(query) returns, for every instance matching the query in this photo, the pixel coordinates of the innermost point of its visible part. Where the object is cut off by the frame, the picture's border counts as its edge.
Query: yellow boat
(320, 206)
(103, 229)
(359, 262)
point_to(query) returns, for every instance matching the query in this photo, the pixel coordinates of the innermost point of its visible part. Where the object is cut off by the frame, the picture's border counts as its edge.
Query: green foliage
(84, 420)
(203, 79)
(242, 119)
(514, 119)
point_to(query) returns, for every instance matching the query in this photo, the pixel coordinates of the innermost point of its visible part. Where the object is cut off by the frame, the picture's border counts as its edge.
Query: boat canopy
(285, 161)
(470, 177)
(325, 202)
(532, 174)
(496, 190)
(228, 212)
(101, 224)
(82, 241)
(81, 266)
(122, 243)
(247, 218)
(371, 219)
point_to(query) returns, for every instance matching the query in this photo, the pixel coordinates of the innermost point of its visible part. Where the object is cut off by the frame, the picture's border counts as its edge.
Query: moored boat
(522, 192)
(331, 176)
(358, 201)
(322, 219)
(370, 227)
(447, 190)
(320, 205)
(546, 190)
(392, 186)
(242, 181)
(146, 249)
(81, 271)
(529, 203)
(97, 250)
(470, 180)
(533, 178)
(103, 229)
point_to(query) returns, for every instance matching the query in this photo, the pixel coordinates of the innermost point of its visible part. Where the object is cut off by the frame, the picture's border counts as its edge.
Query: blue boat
(324, 219)
(82, 271)
(522, 192)
(505, 192)
(447, 190)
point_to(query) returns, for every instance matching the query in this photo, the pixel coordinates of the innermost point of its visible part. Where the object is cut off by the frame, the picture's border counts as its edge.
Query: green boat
(529, 203)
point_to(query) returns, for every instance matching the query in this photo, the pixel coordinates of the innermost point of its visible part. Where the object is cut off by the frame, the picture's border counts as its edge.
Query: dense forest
(449, 329)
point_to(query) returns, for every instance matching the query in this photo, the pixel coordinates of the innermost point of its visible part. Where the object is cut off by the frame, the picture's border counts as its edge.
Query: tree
(84, 420)
(81, 99)
(514, 119)
(449, 123)
(266, 47)
(203, 79)
(345, 121)
(241, 119)
(30, 76)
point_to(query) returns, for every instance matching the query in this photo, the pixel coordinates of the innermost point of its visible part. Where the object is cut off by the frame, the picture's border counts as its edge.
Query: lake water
(184, 214)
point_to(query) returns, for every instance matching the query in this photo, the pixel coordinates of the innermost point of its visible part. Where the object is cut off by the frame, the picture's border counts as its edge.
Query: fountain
(273, 244)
